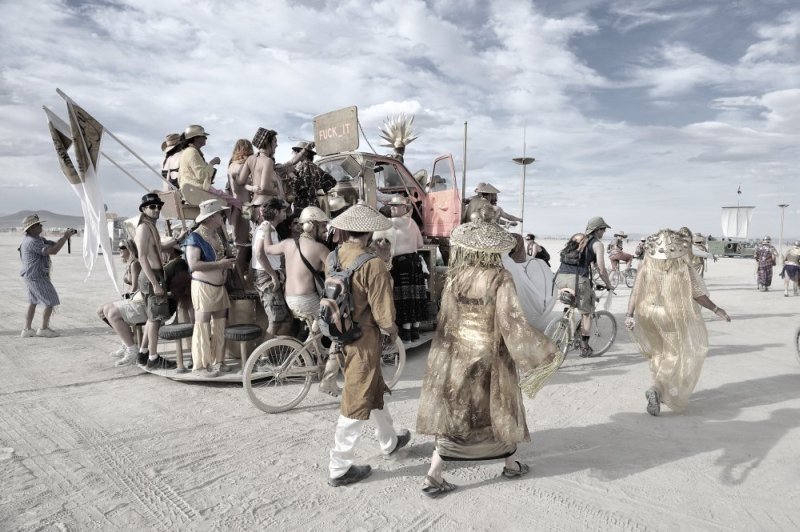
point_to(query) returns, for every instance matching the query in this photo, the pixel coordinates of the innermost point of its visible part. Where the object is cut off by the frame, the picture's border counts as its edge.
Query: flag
(86, 133)
(739, 190)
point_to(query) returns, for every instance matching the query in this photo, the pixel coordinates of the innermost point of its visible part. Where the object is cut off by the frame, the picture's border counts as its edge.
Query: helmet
(313, 214)
(194, 131)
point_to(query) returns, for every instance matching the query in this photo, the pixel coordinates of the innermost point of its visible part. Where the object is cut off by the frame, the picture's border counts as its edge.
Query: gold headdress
(667, 244)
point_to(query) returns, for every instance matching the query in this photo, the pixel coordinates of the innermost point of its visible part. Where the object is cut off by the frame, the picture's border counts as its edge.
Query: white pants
(348, 432)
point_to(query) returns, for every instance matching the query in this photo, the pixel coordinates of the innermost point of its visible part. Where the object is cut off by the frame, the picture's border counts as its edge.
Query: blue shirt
(35, 260)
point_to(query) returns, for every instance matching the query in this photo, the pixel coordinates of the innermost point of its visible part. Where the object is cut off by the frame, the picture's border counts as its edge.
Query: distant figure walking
(35, 253)
(767, 256)
(791, 269)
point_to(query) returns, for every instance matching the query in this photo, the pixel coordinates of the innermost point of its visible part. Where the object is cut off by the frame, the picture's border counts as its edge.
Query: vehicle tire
(393, 360)
(278, 374)
(630, 277)
(558, 331)
(604, 332)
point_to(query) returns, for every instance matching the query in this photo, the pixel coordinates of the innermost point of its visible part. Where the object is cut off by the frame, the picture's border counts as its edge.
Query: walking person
(364, 387)
(35, 253)
(664, 317)
(791, 269)
(471, 398)
(766, 256)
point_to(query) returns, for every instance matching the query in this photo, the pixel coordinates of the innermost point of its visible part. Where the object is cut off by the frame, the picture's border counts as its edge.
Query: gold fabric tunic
(471, 398)
(371, 287)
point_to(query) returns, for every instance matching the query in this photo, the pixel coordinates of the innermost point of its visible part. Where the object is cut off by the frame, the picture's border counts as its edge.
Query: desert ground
(87, 446)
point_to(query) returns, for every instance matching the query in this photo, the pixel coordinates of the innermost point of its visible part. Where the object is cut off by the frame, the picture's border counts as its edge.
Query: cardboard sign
(337, 131)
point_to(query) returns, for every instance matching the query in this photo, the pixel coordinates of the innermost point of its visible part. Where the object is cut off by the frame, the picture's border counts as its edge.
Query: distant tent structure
(736, 221)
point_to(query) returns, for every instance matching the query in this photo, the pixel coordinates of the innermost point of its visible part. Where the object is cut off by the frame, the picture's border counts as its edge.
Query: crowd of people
(487, 348)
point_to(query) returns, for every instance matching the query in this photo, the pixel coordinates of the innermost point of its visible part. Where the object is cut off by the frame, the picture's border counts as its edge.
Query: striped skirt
(41, 291)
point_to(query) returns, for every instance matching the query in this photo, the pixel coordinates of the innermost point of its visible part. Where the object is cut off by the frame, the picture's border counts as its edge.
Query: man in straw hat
(205, 254)
(766, 256)
(152, 283)
(171, 148)
(194, 169)
(35, 253)
(364, 387)
(616, 251)
(486, 194)
(471, 394)
(578, 277)
(665, 321)
(791, 269)
(700, 254)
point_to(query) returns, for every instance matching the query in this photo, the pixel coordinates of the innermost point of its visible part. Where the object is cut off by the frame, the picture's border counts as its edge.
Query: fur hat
(209, 208)
(361, 218)
(31, 220)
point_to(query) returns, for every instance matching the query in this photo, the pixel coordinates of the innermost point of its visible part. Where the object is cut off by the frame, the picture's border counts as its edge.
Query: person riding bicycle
(616, 254)
(578, 277)
(639, 253)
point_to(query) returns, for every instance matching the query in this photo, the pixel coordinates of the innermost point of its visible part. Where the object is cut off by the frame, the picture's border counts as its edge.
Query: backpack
(570, 255)
(336, 306)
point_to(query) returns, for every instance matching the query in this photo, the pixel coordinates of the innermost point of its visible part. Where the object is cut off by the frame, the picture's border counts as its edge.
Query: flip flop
(516, 473)
(431, 488)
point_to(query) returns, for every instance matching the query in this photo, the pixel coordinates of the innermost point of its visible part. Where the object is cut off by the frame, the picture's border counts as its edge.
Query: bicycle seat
(567, 297)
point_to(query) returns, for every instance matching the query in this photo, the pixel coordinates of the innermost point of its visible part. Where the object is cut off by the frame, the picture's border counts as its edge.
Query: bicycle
(565, 331)
(279, 372)
(628, 275)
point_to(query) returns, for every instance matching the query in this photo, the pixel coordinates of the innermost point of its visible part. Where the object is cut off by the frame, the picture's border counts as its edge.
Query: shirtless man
(269, 276)
(261, 166)
(301, 290)
(152, 282)
(208, 265)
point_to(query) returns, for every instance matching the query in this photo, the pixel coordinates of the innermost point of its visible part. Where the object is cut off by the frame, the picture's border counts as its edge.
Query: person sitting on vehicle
(305, 180)
(578, 276)
(305, 262)
(269, 275)
(120, 315)
(194, 170)
(260, 168)
(616, 253)
(171, 147)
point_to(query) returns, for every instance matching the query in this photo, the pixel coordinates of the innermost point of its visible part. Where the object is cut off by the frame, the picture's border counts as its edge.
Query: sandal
(431, 488)
(653, 402)
(515, 473)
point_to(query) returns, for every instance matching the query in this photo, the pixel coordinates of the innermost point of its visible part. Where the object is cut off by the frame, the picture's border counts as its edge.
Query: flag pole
(112, 161)
(171, 186)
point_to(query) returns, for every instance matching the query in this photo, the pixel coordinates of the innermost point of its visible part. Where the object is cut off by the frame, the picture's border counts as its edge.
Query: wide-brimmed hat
(151, 198)
(483, 236)
(303, 145)
(621, 234)
(209, 208)
(170, 142)
(194, 131)
(486, 188)
(361, 218)
(767, 239)
(313, 214)
(31, 220)
(667, 244)
(596, 223)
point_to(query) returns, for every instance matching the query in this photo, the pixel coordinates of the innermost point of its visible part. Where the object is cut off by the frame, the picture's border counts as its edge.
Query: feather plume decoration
(397, 132)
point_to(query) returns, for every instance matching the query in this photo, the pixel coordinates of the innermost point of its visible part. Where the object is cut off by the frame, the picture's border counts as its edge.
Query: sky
(650, 113)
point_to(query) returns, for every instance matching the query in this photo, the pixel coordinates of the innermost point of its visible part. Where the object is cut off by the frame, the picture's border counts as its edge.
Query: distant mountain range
(51, 219)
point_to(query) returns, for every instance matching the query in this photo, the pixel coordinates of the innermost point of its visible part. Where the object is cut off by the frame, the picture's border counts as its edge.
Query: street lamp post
(523, 162)
(780, 240)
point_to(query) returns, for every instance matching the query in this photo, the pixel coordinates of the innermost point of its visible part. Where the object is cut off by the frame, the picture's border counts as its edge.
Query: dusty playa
(84, 445)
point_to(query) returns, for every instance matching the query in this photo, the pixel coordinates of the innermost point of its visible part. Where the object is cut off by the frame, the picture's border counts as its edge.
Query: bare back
(299, 281)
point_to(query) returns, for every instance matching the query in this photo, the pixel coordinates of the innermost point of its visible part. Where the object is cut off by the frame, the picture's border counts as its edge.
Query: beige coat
(371, 286)
(471, 391)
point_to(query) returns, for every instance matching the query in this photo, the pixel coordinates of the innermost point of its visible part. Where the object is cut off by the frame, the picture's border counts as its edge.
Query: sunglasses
(153, 207)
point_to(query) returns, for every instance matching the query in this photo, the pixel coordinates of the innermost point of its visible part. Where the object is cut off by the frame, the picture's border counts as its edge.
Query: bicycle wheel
(604, 332)
(393, 360)
(630, 277)
(278, 374)
(558, 331)
(797, 343)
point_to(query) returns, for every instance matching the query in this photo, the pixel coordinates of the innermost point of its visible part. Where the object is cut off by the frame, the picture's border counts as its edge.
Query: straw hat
(313, 214)
(151, 198)
(621, 234)
(362, 219)
(482, 236)
(667, 244)
(31, 220)
(170, 142)
(398, 200)
(486, 188)
(303, 145)
(596, 223)
(209, 208)
(194, 131)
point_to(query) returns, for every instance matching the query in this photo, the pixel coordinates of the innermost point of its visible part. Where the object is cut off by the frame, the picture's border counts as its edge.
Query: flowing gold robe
(669, 330)
(471, 393)
(371, 287)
